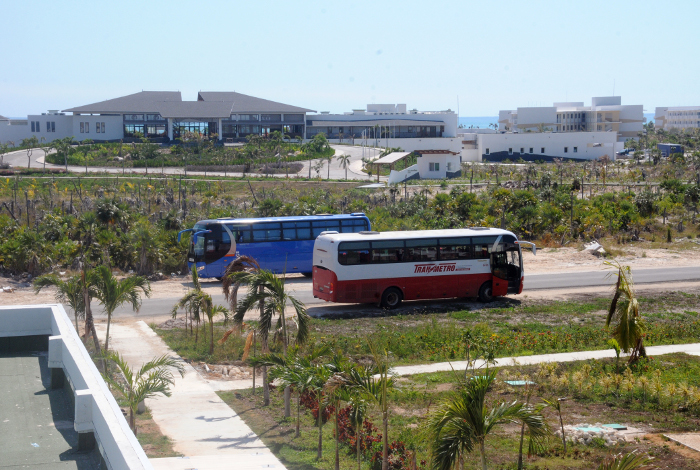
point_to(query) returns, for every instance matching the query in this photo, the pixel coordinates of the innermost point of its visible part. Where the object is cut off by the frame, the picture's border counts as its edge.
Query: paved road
(600, 278)
(301, 289)
(19, 159)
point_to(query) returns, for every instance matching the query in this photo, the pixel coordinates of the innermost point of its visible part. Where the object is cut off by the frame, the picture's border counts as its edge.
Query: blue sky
(335, 56)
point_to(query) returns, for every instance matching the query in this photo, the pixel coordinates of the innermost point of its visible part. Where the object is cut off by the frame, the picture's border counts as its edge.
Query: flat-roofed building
(677, 117)
(389, 125)
(605, 114)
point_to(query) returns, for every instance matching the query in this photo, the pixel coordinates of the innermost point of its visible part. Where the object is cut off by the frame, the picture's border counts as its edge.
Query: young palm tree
(152, 378)
(629, 461)
(293, 370)
(375, 383)
(113, 293)
(629, 327)
(266, 292)
(463, 422)
(195, 302)
(69, 291)
(344, 162)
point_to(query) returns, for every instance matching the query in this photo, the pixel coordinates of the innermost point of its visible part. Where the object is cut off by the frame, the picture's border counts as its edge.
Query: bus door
(216, 244)
(506, 266)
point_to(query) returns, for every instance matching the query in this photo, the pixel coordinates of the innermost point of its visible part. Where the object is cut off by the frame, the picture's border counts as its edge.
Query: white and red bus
(388, 267)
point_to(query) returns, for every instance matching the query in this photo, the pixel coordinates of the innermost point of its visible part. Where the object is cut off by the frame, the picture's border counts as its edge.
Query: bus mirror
(197, 234)
(179, 234)
(529, 245)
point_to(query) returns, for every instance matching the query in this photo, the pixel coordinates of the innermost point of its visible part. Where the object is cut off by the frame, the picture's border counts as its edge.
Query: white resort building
(389, 125)
(677, 117)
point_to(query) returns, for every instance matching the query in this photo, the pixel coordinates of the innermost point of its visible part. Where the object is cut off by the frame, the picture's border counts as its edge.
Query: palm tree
(463, 422)
(374, 383)
(266, 291)
(630, 461)
(293, 370)
(624, 312)
(69, 291)
(344, 162)
(152, 378)
(341, 389)
(64, 147)
(194, 302)
(113, 293)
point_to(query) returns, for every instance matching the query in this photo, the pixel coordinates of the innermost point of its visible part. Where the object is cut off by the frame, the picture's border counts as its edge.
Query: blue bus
(279, 244)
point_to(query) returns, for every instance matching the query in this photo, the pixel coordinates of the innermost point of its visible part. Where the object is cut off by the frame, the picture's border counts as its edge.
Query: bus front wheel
(391, 298)
(486, 292)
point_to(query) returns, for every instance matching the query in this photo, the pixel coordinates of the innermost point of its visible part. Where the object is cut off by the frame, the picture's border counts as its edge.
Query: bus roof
(408, 234)
(233, 220)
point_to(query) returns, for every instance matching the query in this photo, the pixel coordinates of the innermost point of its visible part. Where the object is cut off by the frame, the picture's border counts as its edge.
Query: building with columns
(162, 116)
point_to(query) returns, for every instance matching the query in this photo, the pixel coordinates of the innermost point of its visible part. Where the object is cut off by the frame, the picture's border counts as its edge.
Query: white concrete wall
(554, 144)
(399, 176)
(631, 122)
(424, 162)
(114, 127)
(606, 101)
(531, 118)
(14, 133)
(96, 409)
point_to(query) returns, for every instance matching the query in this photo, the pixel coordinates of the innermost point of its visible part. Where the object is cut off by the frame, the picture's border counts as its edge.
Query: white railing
(396, 177)
(96, 410)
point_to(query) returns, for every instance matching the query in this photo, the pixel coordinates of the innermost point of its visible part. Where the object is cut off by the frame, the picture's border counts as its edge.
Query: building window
(575, 149)
(33, 128)
(449, 166)
(566, 149)
(510, 151)
(130, 130)
(133, 117)
(488, 151)
(532, 150)
(87, 127)
(154, 117)
(542, 150)
(271, 117)
(82, 128)
(157, 130)
(294, 118)
(247, 117)
(522, 150)
(434, 166)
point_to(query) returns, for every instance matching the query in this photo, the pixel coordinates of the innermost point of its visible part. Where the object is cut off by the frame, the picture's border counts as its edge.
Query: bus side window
(353, 225)
(455, 248)
(482, 247)
(288, 231)
(352, 253)
(304, 231)
(390, 251)
(421, 250)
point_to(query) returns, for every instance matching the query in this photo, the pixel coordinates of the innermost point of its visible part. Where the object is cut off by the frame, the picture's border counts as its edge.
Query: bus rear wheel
(486, 292)
(391, 298)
